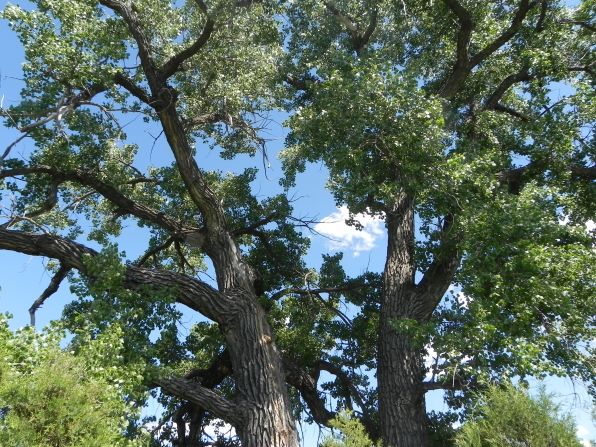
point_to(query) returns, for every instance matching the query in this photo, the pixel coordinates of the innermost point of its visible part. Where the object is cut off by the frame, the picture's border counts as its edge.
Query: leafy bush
(510, 417)
(52, 397)
(351, 433)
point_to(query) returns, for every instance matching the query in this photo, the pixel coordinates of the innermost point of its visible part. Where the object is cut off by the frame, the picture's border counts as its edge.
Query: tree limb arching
(192, 391)
(187, 290)
(124, 204)
(174, 63)
(493, 102)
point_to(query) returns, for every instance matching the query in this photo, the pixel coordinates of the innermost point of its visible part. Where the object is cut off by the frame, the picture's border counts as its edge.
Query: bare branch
(65, 106)
(259, 223)
(12, 145)
(48, 292)
(581, 23)
(49, 204)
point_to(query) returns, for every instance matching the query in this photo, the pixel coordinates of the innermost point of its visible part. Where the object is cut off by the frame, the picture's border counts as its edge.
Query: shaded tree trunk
(259, 378)
(402, 410)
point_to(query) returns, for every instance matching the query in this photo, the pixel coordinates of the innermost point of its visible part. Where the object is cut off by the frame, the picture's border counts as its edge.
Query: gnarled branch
(208, 399)
(48, 292)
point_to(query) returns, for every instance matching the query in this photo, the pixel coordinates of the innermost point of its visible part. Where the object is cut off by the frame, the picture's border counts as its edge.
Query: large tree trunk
(256, 362)
(401, 396)
(260, 382)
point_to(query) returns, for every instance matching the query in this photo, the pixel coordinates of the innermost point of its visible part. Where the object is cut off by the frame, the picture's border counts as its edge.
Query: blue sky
(23, 278)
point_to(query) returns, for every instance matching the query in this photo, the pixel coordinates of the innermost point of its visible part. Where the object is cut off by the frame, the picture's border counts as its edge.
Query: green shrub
(351, 433)
(510, 417)
(52, 397)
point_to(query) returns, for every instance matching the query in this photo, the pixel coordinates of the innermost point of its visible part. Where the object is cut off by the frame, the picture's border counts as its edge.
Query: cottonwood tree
(468, 126)
(438, 115)
(197, 71)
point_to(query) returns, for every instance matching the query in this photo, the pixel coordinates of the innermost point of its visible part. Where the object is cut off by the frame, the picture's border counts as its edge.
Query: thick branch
(124, 204)
(505, 36)
(191, 391)
(516, 178)
(464, 35)
(345, 380)
(143, 43)
(493, 101)
(171, 66)
(343, 18)
(464, 63)
(439, 275)
(187, 290)
(131, 87)
(521, 76)
(48, 292)
(197, 186)
(307, 386)
(359, 40)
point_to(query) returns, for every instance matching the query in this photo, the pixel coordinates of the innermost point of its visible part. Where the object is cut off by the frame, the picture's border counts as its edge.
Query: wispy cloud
(345, 237)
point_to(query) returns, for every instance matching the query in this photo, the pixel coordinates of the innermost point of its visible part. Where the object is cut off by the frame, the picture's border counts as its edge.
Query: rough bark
(402, 409)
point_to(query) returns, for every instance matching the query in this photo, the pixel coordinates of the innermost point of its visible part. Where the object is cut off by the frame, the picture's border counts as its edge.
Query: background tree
(468, 126)
(440, 118)
(196, 71)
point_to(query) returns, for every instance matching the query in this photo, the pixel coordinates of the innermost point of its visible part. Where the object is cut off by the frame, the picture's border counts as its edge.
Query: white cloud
(342, 236)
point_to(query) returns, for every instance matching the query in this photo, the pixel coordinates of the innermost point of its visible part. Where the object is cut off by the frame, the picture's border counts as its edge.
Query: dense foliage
(81, 396)
(508, 416)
